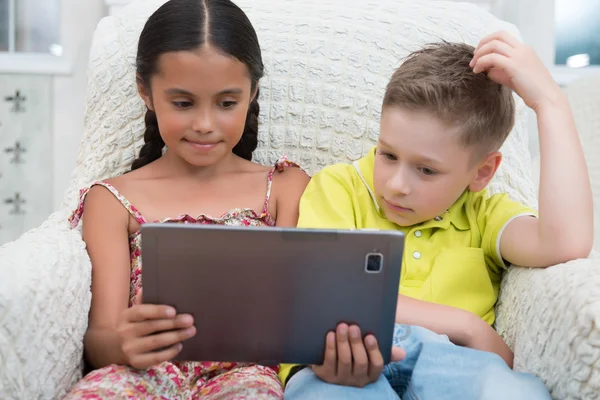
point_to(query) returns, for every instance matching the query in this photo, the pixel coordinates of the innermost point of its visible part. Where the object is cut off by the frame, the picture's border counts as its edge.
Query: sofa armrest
(45, 296)
(551, 319)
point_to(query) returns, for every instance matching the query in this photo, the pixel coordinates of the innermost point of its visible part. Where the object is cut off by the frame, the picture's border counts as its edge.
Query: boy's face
(421, 167)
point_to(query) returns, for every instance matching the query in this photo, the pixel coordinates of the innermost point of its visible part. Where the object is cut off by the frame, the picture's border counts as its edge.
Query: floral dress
(189, 379)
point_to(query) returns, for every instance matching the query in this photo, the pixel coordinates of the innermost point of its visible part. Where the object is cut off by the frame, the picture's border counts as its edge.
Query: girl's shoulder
(287, 172)
(283, 169)
(105, 194)
(284, 176)
(288, 181)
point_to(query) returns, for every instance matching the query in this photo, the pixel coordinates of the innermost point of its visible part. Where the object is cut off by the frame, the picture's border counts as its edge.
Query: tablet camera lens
(374, 262)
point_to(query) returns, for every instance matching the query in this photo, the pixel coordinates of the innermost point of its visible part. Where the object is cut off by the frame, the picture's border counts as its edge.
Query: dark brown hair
(439, 80)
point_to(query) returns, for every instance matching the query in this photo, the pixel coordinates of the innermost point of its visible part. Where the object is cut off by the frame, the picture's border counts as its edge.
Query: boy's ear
(144, 91)
(485, 171)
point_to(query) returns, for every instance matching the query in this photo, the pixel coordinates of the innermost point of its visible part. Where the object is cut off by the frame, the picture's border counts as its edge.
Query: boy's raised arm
(564, 229)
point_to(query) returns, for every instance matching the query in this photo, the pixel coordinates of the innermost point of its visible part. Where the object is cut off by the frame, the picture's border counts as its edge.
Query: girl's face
(201, 100)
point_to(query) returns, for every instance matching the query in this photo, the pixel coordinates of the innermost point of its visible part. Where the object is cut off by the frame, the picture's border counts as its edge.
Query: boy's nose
(399, 184)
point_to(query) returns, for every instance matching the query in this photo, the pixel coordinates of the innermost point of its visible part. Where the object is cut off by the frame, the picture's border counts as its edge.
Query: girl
(198, 67)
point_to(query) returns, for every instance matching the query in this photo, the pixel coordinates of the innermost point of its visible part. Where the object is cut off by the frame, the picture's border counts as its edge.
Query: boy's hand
(515, 65)
(150, 334)
(350, 362)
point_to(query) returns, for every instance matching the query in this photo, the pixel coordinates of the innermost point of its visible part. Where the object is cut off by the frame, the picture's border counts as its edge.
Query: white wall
(78, 22)
(535, 20)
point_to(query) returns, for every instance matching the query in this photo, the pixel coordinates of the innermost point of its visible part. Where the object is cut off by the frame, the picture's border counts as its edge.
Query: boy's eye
(182, 104)
(427, 171)
(389, 156)
(228, 104)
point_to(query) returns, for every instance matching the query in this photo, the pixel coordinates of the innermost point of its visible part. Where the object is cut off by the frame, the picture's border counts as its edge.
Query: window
(30, 26)
(577, 33)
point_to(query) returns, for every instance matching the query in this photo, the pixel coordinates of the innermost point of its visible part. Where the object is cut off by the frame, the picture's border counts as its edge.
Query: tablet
(270, 295)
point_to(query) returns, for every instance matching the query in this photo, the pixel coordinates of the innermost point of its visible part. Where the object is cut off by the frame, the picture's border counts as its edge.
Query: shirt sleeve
(327, 203)
(495, 213)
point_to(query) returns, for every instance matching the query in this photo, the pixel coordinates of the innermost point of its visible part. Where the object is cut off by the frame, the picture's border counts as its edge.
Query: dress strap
(78, 213)
(279, 166)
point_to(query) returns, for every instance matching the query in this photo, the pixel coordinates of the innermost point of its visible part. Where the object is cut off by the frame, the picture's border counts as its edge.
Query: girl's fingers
(157, 342)
(146, 360)
(148, 327)
(143, 312)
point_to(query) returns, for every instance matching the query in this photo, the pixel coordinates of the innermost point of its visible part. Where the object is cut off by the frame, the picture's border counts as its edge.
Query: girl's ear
(144, 91)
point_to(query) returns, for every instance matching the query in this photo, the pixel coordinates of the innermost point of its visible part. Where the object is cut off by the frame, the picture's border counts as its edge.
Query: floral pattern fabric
(190, 379)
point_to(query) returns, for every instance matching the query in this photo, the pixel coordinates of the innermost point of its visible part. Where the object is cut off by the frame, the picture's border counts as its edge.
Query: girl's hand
(351, 362)
(150, 334)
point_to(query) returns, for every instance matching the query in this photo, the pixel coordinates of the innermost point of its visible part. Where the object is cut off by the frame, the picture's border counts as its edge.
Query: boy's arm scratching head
(564, 229)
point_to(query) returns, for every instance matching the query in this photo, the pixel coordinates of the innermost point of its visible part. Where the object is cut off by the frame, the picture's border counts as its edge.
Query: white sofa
(584, 97)
(327, 65)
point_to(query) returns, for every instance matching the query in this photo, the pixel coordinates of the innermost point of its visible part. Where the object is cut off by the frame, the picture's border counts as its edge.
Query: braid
(153, 143)
(249, 140)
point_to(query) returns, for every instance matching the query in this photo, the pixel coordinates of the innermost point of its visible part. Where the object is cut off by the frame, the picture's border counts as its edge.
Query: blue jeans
(306, 385)
(434, 368)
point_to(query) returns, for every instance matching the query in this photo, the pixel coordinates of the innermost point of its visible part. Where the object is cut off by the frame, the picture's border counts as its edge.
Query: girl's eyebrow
(182, 92)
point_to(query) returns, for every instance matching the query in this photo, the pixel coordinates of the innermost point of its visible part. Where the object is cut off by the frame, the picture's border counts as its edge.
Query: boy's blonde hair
(439, 80)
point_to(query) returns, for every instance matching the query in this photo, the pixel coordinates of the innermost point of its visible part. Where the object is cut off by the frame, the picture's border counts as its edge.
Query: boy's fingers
(344, 353)
(499, 35)
(499, 76)
(495, 46)
(398, 354)
(360, 367)
(330, 360)
(327, 371)
(490, 61)
(375, 358)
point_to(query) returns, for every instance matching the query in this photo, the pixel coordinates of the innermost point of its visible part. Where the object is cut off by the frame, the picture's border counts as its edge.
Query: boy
(446, 112)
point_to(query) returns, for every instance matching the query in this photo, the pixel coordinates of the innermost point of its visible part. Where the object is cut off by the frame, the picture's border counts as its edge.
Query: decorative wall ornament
(17, 100)
(17, 151)
(16, 204)
(26, 165)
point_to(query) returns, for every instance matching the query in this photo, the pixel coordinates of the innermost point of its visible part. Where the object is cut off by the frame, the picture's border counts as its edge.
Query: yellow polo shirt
(453, 259)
